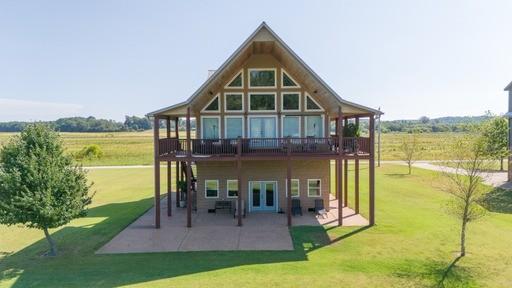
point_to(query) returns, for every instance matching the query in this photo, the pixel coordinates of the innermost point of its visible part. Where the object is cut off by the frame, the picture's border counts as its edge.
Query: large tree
(40, 186)
(495, 133)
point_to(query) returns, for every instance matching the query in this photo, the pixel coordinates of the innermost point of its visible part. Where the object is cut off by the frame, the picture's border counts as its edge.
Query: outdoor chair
(223, 205)
(296, 208)
(319, 208)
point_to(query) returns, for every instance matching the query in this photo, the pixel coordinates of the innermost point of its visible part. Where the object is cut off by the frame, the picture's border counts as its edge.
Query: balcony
(257, 147)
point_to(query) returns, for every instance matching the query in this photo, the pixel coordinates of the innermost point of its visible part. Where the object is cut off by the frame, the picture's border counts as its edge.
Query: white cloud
(28, 110)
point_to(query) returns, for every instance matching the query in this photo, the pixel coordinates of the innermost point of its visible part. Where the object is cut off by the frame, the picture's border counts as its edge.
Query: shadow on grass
(78, 266)
(498, 200)
(397, 175)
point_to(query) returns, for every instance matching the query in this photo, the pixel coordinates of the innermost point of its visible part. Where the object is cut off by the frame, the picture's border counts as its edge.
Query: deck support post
(356, 174)
(371, 171)
(189, 173)
(289, 182)
(340, 167)
(239, 179)
(156, 135)
(169, 174)
(177, 163)
(345, 183)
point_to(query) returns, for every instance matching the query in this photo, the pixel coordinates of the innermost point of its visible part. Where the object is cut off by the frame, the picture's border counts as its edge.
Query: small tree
(410, 149)
(40, 187)
(465, 183)
(495, 135)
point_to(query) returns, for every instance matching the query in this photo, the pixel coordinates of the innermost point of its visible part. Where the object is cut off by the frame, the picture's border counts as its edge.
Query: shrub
(90, 152)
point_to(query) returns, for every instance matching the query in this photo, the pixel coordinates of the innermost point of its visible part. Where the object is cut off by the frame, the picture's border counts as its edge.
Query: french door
(263, 195)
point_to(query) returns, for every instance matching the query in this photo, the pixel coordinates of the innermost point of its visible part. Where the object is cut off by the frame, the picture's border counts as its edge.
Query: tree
(465, 183)
(137, 123)
(424, 119)
(410, 149)
(40, 187)
(495, 136)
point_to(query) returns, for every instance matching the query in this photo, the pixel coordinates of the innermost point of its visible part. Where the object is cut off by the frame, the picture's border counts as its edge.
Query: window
(315, 126)
(312, 105)
(213, 105)
(262, 127)
(291, 126)
(262, 78)
(295, 187)
(232, 187)
(262, 102)
(234, 127)
(210, 127)
(314, 186)
(290, 101)
(287, 81)
(237, 81)
(234, 102)
(211, 188)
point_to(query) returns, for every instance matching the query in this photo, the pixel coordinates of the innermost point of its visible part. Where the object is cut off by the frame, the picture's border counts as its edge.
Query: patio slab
(217, 232)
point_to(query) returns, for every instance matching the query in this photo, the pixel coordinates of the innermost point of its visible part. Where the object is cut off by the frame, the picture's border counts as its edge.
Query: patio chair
(320, 209)
(296, 208)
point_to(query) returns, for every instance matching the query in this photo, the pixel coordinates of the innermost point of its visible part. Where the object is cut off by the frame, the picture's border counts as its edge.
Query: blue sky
(114, 58)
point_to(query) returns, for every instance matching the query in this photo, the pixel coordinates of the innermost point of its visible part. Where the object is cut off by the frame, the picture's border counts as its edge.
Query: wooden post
(356, 174)
(169, 177)
(189, 172)
(372, 171)
(177, 135)
(156, 135)
(239, 179)
(345, 183)
(289, 182)
(340, 167)
(335, 165)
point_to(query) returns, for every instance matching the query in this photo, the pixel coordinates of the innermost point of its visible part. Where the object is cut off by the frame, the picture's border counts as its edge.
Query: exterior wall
(263, 171)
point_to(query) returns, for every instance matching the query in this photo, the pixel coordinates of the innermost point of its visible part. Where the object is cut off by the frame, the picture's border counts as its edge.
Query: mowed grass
(136, 148)
(411, 245)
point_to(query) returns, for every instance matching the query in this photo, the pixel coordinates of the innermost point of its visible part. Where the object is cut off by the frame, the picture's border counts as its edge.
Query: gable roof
(262, 33)
(509, 87)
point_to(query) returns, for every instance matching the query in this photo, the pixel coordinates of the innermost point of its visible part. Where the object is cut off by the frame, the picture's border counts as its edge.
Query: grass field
(136, 148)
(411, 245)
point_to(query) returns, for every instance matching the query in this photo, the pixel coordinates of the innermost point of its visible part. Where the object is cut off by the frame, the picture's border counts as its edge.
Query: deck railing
(265, 146)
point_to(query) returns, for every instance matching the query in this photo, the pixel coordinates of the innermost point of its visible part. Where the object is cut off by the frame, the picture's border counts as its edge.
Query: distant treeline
(443, 124)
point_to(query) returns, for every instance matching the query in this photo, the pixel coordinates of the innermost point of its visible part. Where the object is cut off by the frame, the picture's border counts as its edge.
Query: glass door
(263, 195)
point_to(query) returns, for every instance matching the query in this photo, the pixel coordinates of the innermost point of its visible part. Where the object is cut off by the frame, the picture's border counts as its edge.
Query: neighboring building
(264, 136)
(509, 116)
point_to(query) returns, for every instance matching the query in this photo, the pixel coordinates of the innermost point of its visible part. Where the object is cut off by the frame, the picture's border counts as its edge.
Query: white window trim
(210, 102)
(306, 95)
(226, 102)
(260, 116)
(282, 124)
(202, 126)
(286, 188)
(282, 101)
(261, 69)
(259, 181)
(263, 111)
(319, 188)
(226, 125)
(288, 74)
(205, 186)
(231, 80)
(227, 188)
(306, 124)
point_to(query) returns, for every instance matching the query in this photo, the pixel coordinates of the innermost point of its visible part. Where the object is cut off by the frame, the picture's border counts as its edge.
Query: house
(263, 137)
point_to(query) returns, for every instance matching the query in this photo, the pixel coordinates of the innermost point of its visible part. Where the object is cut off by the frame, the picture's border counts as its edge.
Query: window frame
(282, 80)
(241, 72)
(319, 188)
(300, 125)
(202, 125)
(206, 188)
(286, 187)
(226, 124)
(306, 125)
(261, 69)
(259, 93)
(226, 102)
(282, 101)
(217, 96)
(306, 95)
(249, 117)
(227, 188)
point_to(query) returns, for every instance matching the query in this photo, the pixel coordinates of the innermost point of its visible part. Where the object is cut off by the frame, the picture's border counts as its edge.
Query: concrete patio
(217, 231)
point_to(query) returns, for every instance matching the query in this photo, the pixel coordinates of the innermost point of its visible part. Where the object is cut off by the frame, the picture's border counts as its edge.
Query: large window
(210, 127)
(291, 126)
(262, 102)
(290, 101)
(262, 78)
(232, 187)
(295, 187)
(314, 187)
(211, 188)
(315, 126)
(234, 102)
(234, 127)
(262, 127)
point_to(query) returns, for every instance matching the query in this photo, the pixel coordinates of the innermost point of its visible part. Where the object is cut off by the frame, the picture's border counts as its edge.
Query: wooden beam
(289, 184)
(156, 132)
(340, 167)
(356, 176)
(372, 172)
(169, 174)
(189, 173)
(178, 175)
(239, 179)
(345, 183)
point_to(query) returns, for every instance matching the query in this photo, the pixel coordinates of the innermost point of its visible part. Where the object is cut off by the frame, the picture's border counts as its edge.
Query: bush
(90, 152)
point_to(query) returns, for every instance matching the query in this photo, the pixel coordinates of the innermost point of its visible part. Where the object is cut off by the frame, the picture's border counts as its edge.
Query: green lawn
(412, 244)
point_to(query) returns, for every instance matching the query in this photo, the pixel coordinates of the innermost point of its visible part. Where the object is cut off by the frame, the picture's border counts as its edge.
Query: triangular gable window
(212, 106)
(288, 81)
(312, 105)
(237, 81)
